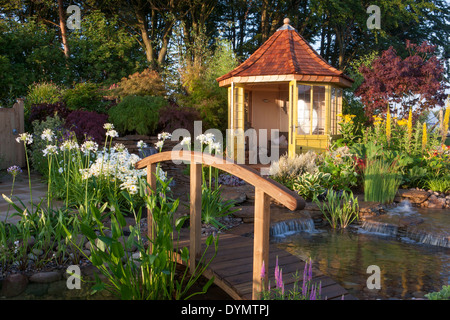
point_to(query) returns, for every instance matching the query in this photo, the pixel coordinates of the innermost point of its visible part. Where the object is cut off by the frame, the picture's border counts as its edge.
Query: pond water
(413, 259)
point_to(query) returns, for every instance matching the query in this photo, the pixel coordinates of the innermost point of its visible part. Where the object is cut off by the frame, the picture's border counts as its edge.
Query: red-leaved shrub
(87, 124)
(173, 117)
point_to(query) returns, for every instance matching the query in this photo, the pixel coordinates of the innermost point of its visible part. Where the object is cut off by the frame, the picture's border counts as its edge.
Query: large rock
(45, 277)
(409, 221)
(233, 194)
(370, 209)
(14, 284)
(413, 195)
(434, 202)
(246, 213)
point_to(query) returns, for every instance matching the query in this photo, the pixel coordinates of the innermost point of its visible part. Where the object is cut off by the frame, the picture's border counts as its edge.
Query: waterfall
(439, 240)
(380, 228)
(284, 228)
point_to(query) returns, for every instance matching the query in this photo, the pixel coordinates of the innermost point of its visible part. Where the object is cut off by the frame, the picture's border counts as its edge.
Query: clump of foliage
(173, 116)
(340, 209)
(287, 169)
(84, 95)
(87, 124)
(38, 93)
(137, 114)
(145, 83)
(41, 111)
(102, 51)
(214, 207)
(312, 185)
(38, 160)
(444, 294)
(341, 164)
(199, 86)
(43, 92)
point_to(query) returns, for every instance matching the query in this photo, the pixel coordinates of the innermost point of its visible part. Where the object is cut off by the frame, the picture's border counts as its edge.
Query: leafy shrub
(38, 160)
(214, 207)
(415, 177)
(341, 164)
(287, 169)
(200, 90)
(312, 185)
(85, 95)
(145, 83)
(444, 294)
(381, 180)
(136, 114)
(41, 111)
(44, 92)
(172, 117)
(439, 184)
(340, 209)
(87, 124)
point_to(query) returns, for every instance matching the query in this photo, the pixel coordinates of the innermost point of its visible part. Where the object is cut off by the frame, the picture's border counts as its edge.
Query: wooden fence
(11, 125)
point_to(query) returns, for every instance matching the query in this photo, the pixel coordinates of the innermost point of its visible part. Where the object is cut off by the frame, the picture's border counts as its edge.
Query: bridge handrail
(265, 189)
(274, 189)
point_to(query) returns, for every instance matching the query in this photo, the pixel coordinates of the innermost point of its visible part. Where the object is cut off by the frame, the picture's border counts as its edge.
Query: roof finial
(286, 25)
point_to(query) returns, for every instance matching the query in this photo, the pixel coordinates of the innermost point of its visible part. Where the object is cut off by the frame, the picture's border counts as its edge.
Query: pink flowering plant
(308, 290)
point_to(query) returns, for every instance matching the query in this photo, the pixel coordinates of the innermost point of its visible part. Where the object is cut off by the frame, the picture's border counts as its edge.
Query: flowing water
(409, 245)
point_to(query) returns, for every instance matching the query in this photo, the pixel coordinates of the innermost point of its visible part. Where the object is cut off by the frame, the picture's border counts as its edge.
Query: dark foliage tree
(414, 83)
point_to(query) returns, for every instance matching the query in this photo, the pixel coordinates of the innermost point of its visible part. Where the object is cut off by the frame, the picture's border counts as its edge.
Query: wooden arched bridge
(238, 264)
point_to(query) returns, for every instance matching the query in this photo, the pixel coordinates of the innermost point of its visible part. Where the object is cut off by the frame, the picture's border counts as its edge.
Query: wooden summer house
(286, 85)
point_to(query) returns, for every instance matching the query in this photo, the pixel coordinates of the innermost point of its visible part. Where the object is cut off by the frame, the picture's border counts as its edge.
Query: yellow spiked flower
(424, 135)
(388, 125)
(409, 125)
(446, 121)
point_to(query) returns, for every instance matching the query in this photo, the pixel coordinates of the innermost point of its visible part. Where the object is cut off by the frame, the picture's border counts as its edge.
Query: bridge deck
(232, 268)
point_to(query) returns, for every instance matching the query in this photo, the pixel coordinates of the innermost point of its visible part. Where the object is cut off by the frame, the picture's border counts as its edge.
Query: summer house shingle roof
(286, 55)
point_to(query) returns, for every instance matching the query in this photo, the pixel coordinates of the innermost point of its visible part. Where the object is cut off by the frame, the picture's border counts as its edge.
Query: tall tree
(62, 26)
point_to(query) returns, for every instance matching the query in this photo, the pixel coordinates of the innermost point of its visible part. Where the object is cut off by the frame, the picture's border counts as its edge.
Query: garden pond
(410, 245)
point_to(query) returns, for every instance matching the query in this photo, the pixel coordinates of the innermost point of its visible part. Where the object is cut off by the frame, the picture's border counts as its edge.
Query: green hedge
(137, 114)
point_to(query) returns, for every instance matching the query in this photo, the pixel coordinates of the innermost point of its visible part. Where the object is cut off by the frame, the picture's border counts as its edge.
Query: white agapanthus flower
(159, 144)
(202, 138)
(119, 147)
(215, 147)
(25, 137)
(164, 136)
(186, 141)
(47, 135)
(89, 146)
(69, 145)
(141, 144)
(207, 139)
(210, 138)
(112, 133)
(50, 150)
(108, 126)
